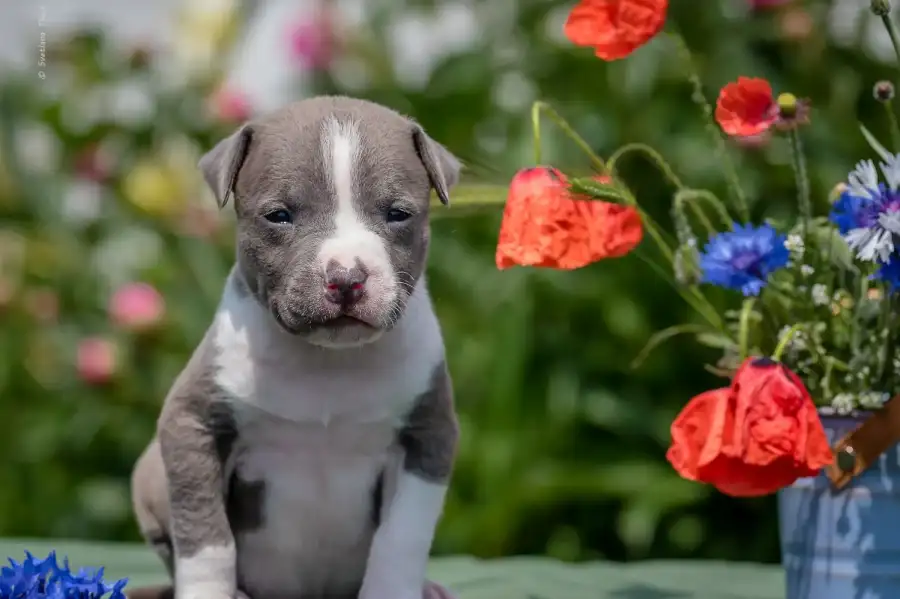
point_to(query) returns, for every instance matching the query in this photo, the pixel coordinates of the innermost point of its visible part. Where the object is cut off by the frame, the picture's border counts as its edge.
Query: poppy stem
(699, 98)
(802, 179)
(785, 341)
(542, 107)
(698, 300)
(681, 222)
(711, 199)
(650, 153)
(744, 328)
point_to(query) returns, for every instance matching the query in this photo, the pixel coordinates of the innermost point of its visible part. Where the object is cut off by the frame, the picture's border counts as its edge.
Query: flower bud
(881, 8)
(686, 265)
(836, 192)
(883, 91)
(787, 105)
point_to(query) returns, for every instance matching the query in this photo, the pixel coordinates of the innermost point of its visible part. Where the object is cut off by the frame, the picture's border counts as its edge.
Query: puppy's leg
(402, 543)
(196, 432)
(150, 498)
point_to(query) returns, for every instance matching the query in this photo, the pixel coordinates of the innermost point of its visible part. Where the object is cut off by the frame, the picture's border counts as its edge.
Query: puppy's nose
(344, 286)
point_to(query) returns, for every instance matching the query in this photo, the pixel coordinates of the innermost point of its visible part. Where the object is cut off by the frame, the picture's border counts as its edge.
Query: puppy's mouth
(337, 322)
(344, 321)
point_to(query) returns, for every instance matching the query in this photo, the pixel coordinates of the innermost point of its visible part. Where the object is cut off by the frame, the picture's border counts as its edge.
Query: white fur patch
(400, 550)
(317, 426)
(208, 574)
(351, 241)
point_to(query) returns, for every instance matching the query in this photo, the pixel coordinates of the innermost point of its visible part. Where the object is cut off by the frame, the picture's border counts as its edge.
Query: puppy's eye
(279, 217)
(396, 215)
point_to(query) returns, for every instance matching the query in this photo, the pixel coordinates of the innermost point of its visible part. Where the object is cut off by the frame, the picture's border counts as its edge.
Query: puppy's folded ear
(221, 165)
(442, 166)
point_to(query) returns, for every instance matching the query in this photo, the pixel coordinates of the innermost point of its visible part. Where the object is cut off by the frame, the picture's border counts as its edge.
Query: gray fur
(191, 488)
(195, 435)
(430, 434)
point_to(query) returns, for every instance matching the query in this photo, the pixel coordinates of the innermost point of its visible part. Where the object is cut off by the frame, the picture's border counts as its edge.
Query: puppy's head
(331, 196)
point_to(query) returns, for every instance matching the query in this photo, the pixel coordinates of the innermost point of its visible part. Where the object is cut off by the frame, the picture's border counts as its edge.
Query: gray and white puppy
(305, 450)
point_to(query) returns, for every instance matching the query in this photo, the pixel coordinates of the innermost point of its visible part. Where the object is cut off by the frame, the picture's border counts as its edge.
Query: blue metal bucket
(844, 544)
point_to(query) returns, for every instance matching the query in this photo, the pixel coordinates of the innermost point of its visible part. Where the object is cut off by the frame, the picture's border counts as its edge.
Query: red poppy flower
(747, 107)
(615, 28)
(544, 225)
(753, 438)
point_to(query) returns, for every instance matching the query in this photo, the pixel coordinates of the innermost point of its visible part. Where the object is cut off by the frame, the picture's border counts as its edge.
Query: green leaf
(596, 190)
(874, 143)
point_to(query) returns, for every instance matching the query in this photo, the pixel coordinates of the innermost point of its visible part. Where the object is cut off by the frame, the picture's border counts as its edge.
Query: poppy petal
(615, 28)
(545, 226)
(746, 108)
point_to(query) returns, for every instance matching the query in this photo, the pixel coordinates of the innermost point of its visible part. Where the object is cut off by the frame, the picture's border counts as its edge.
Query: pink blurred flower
(96, 360)
(796, 23)
(230, 105)
(136, 307)
(312, 42)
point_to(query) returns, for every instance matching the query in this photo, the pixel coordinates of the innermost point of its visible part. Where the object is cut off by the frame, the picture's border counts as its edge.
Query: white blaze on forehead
(350, 241)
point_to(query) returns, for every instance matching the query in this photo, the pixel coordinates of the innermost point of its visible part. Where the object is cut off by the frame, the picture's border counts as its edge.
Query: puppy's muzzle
(345, 287)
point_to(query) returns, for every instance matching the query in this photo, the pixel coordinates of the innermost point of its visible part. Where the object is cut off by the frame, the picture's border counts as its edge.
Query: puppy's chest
(305, 498)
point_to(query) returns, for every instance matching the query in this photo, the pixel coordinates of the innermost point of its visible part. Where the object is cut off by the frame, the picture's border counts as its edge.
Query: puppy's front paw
(431, 590)
(434, 590)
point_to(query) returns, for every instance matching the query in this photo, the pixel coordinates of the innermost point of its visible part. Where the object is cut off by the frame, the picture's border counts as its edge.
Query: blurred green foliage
(563, 443)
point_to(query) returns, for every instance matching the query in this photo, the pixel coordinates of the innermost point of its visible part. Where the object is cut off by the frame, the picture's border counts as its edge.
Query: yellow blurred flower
(205, 27)
(153, 187)
(163, 185)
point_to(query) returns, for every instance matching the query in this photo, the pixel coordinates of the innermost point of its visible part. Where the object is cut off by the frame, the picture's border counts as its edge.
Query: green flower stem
(892, 32)
(802, 180)
(697, 300)
(542, 107)
(892, 122)
(785, 341)
(690, 195)
(889, 309)
(649, 152)
(700, 100)
(744, 328)
(681, 200)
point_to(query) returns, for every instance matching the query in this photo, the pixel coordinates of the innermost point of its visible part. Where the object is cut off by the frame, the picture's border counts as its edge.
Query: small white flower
(820, 295)
(873, 399)
(794, 244)
(807, 270)
(842, 403)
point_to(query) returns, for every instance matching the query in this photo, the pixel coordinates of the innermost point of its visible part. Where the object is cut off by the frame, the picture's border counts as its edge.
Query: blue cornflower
(45, 579)
(889, 272)
(867, 213)
(743, 258)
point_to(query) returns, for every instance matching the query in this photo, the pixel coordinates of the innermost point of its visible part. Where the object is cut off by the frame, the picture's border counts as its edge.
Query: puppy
(305, 450)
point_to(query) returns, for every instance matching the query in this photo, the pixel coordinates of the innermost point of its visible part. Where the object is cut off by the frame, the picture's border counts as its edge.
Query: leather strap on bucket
(859, 449)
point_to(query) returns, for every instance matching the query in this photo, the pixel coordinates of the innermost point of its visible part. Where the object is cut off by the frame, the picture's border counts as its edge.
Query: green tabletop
(469, 578)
